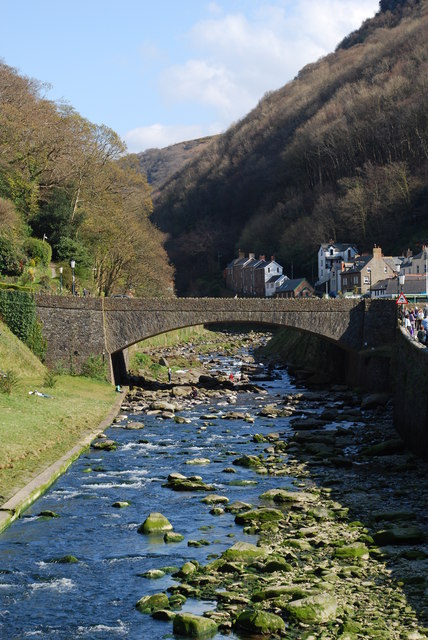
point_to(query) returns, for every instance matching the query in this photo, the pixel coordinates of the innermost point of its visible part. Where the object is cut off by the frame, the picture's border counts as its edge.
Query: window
(385, 269)
(321, 263)
(366, 280)
(417, 268)
(331, 252)
(355, 279)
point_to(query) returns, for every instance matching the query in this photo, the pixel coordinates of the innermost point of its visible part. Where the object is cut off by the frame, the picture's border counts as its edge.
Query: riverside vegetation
(341, 553)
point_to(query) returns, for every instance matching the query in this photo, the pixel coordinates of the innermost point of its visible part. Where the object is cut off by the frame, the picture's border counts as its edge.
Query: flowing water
(95, 597)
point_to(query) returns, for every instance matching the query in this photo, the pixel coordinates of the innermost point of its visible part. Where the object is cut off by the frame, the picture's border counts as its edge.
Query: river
(95, 597)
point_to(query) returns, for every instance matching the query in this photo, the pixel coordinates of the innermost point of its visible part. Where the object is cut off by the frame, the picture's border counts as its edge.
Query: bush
(95, 367)
(39, 251)
(10, 258)
(18, 311)
(8, 381)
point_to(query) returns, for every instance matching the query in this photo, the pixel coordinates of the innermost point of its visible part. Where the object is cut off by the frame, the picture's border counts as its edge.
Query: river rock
(105, 445)
(215, 499)
(179, 482)
(155, 523)
(133, 425)
(162, 405)
(260, 515)
(399, 535)
(318, 609)
(148, 604)
(193, 626)
(259, 622)
(120, 504)
(198, 461)
(375, 400)
(248, 461)
(244, 551)
(284, 496)
(173, 536)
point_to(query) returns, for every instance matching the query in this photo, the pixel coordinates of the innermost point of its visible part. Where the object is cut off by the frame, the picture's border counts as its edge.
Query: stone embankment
(343, 554)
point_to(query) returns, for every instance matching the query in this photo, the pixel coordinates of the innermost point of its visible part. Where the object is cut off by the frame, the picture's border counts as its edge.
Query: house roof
(339, 246)
(291, 285)
(275, 278)
(358, 264)
(413, 285)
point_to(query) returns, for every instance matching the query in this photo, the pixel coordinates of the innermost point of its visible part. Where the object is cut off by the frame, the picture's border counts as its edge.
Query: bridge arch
(76, 328)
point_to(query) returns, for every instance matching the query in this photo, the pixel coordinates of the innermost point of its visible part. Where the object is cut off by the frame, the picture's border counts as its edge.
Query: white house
(332, 259)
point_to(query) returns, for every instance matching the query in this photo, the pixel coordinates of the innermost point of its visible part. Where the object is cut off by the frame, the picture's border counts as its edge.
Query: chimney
(262, 257)
(251, 256)
(241, 254)
(272, 258)
(377, 252)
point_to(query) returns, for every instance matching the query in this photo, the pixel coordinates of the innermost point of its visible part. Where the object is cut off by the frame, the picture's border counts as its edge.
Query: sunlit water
(95, 598)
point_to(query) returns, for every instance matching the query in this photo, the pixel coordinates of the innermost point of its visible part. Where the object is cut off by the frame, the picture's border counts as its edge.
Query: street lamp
(73, 281)
(61, 269)
(401, 280)
(370, 280)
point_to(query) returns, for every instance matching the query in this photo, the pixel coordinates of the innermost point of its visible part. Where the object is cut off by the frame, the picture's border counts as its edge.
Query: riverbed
(45, 594)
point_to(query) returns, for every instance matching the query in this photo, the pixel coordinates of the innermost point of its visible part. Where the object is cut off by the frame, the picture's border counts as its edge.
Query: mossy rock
(259, 622)
(148, 604)
(193, 626)
(285, 496)
(354, 550)
(271, 593)
(105, 445)
(155, 523)
(47, 513)
(173, 536)
(212, 498)
(177, 600)
(154, 574)
(244, 552)
(317, 609)
(261, 515)
(121, 504)
(188, 569)
(249, 462)
(68, 559)
(277, 564)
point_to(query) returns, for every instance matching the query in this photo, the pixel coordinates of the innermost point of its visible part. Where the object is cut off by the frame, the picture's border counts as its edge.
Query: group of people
(416, 322)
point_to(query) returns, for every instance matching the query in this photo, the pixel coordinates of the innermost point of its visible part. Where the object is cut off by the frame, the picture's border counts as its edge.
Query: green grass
(36, 431)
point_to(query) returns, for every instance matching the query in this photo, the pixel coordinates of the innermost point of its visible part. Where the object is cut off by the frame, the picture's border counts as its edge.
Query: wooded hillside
(340, 152)
(66, 188)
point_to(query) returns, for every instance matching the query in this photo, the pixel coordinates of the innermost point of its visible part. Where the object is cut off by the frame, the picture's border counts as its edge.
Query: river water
(95, 597)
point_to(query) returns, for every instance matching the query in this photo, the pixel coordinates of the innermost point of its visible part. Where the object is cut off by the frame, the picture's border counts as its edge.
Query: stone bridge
(77, 328)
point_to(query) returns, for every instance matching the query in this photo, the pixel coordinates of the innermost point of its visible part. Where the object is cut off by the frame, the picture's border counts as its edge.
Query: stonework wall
(76, 328)
(411, 392)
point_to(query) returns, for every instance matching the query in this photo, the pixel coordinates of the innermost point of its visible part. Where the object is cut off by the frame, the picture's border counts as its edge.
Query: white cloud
(159, 135)
(243, 56)
(236, 58)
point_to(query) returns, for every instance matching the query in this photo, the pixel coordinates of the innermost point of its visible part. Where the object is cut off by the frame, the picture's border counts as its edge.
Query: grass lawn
(36, 431)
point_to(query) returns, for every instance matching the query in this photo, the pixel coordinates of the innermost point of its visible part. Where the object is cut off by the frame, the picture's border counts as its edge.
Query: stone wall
(411, 392)
(77, 328)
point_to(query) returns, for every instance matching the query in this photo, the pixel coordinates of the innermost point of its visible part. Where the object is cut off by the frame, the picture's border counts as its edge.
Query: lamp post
(370, 280)
(60, 279)
(73, 281)
(402, 280)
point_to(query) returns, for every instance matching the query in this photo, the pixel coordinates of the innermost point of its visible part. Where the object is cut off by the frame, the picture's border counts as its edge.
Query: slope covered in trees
(67, 183)
(340, 152)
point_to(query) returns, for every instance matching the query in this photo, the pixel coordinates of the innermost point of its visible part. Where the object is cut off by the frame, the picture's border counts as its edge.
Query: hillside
(339, 152)
(161, 164)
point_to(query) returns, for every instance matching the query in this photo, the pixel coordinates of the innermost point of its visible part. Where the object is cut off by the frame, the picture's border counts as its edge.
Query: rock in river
(155, 523)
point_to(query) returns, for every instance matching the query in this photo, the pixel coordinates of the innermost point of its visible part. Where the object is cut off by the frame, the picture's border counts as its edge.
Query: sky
(162, 71)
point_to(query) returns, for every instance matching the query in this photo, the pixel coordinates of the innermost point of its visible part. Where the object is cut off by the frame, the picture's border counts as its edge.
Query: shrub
(39, 251)
(10, 263)
(95, 367)
(8, 381)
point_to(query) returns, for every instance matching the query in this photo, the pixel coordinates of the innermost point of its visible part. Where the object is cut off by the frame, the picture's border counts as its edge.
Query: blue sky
(162, 71)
